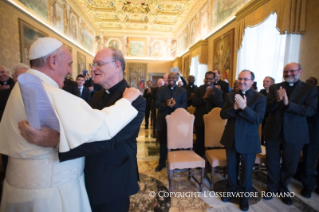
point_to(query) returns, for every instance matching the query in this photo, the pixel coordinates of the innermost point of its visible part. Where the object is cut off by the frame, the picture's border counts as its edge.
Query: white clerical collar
(191, 86)
(107, 91)
(44, 78)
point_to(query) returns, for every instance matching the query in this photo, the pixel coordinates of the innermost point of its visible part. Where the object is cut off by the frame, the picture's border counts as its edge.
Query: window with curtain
(198, 70)
(265, 52)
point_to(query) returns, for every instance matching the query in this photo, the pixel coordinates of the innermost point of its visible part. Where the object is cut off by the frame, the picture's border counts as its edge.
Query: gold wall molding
(250, 7)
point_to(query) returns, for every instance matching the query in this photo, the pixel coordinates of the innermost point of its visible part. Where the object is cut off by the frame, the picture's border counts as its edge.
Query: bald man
(289, 103)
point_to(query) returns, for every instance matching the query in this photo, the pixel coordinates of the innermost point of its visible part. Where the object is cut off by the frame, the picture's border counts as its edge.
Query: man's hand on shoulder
(131, 94)
(45, 137)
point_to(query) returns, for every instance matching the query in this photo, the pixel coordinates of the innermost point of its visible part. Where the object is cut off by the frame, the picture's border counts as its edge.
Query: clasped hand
(282, 96)
(170, 102)
(240, 102)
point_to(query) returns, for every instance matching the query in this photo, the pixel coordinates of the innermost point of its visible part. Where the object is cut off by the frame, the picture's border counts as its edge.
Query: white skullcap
(43, 47)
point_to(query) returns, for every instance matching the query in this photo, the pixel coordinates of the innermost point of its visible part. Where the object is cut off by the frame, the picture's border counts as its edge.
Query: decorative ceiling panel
(131, 16)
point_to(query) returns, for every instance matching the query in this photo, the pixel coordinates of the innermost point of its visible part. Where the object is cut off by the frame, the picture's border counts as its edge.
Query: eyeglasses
(99, 64)
(243, 79)
(290, 71)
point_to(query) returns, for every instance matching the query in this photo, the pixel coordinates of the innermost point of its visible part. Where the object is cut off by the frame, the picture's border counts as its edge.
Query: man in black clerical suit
(160, 83)
(245, 111)
(169, 98)
(190, 88)
(111, 176)
(224, 86)
(310, 151)
(148, 97)
(205, 99)
(289, 104)
(268, 81)
(84, 92)
(6, 85)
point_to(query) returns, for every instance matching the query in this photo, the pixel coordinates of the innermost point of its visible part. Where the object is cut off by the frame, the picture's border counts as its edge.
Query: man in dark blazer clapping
(206, 97)
(245, 111)
(169, 98)
(289, 104)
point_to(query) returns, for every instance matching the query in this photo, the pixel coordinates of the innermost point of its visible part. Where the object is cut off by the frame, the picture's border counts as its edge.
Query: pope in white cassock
(36, 180)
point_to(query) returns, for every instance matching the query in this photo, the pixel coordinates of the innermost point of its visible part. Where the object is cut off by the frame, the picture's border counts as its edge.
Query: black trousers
(162, 137)
(310, 155)
(119, 205)
(279, 177)
(200, 141)
(153, 110)
(247, 162)
(147, 115)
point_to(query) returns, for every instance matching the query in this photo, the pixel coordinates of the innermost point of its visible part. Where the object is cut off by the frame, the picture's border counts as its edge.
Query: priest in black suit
(224, 86)
(245, 111)
(289, 103)
(205, 99)
(148, 97)
(268, 81)
(169, 98)
(84, 91)
(190, 88)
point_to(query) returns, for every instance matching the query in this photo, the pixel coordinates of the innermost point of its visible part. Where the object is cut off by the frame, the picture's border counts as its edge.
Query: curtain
(265, 52)
(198, 70)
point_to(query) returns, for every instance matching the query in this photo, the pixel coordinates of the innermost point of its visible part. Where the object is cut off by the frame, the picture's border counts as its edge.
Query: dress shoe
(317, 190)
(226, 199)
(244, 204)
(159, 168)
(286, 200)
(153, 136)
(268, 195)
(306, 192)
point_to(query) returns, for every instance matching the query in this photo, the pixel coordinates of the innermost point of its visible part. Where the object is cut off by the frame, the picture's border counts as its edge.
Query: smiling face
(63, 60)
(107, 70)
(244, 80)
(191, 80)
(172, 79)
(267, 83)
(291, 72)
(4, 75)
(209, 79)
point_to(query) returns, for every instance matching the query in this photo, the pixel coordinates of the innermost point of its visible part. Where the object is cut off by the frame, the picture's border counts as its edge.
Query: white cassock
(36, 181)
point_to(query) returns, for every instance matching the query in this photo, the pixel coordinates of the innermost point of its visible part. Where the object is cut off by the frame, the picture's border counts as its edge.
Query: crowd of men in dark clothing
(288, 113)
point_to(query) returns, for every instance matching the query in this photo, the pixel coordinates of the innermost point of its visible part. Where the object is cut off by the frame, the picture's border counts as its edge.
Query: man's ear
(52, 61)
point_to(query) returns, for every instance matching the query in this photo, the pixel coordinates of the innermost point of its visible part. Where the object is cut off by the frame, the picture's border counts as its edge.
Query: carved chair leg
(170, 180)
(212, 179)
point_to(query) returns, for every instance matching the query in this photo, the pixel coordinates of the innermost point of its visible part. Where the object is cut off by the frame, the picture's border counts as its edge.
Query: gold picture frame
(223, 55)
(28, 34)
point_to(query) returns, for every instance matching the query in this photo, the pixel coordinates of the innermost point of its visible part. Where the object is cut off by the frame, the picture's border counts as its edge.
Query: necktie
(80, 91)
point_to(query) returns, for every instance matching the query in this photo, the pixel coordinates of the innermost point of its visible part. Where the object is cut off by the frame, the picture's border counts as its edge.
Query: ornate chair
(214, 128)
(180, 136)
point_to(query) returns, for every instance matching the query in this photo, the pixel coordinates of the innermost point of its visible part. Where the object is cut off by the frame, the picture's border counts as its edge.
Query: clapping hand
(3, 87)
(240, 101)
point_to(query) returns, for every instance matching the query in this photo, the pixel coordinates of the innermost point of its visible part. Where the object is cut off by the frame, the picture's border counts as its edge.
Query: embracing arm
(129, 132)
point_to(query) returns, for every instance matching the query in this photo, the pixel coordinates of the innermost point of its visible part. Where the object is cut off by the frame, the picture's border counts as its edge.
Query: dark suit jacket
(4, 95)
(96, 87)
(224, 86)
(242, 125)
(189, 90)
(86, 94)
(205, 106)
(111, 175)
(163, 94)
(302, 104)
(71, 87)
(263, 92)
(148, 98)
